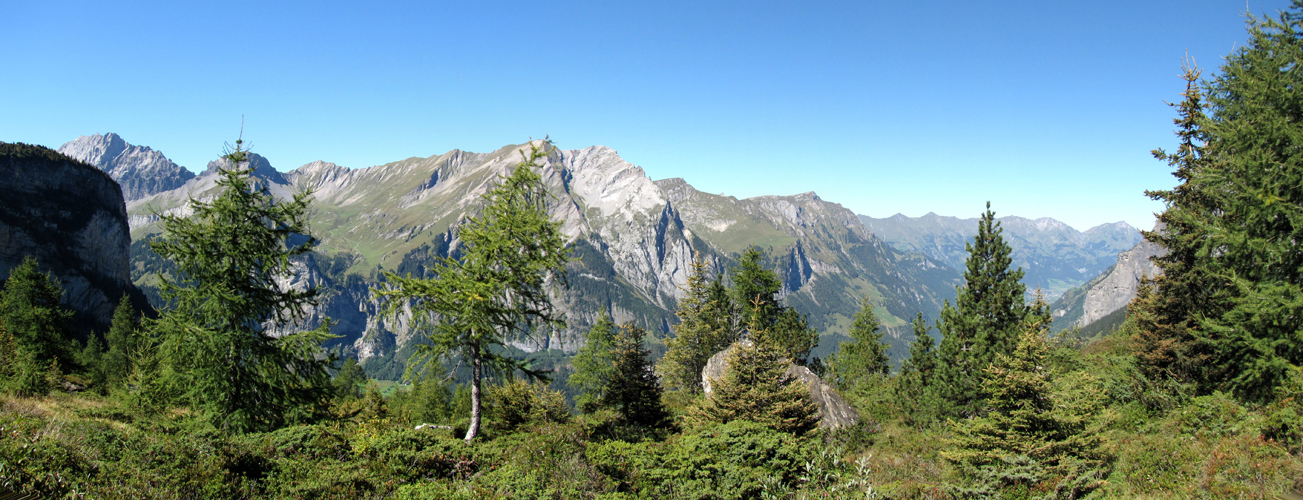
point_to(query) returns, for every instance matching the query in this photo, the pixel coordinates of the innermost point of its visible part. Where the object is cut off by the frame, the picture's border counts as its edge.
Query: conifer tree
(1241, 217)
(633, 390)
(594, 365)
(123, 340)
(755, 291)
(215, 352)
(865, 357)
(756, 387)
(512, 254)
(702, 331)
(984, 321)
(30, 310)
(1031, 438)
(916, 393)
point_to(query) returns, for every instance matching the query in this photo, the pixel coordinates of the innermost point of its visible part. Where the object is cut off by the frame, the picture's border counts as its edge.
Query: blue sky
(1047, 109)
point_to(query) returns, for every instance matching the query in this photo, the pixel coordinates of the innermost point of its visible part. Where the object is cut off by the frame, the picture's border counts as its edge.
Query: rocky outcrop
(1111, 290)
(71, 217)
(834, 412)
(140, 171)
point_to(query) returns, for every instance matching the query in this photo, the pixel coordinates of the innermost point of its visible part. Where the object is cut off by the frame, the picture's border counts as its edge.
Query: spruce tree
(512, 255)
(984, 320)
(31, 313)
(756, 387)
(594, 365)
(916, 393)
(864, 357)
(123, 340)
(755, 291)
(216, 352)
(1031, 438)
(701, 332)
(632, 389)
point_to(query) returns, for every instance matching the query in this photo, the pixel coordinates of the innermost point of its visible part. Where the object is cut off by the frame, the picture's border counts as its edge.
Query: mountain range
(633, 239)
(1054, 256)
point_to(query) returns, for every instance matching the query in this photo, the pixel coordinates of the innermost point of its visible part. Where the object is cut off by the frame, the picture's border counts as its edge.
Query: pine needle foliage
(216, 353)
(35, 325)
(512, 254)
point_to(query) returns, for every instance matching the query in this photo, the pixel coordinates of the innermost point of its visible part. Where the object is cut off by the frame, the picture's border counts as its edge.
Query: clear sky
(1045, 108)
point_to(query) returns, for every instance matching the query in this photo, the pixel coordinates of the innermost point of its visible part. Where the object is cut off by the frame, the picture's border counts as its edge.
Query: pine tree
(594, 365)
(755, 290)
(216, 353)
(512, 254)
(633, 390)
(1032, 438)
(864, 358)
(984, 321)
(756, 387)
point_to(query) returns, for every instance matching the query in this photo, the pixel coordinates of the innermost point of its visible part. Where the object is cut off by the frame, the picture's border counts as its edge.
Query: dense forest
(1197, 392)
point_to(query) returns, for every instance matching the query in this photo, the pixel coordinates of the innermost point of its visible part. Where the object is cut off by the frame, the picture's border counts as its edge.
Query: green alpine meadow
(545, 323)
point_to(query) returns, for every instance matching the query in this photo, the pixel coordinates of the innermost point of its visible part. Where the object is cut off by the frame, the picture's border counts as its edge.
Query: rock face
(1054, 256)
(72, 219)
(139, 170)
(834, 412)
(1111, 290)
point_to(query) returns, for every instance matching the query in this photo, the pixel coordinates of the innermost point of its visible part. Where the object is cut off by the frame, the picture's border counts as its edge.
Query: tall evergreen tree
(594, 365)
(30, 310)
(512, 254)
(633, 390)
(755, 291)
(216, 352)
(984, 321)
(703, 330)
(864, 357)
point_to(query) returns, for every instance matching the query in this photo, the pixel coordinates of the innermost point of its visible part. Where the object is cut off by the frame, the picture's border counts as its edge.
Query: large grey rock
(834, 412)
(139, 170)
(72, 219)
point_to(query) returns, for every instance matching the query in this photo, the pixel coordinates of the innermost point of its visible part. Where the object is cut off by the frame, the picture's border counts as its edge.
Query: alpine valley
(632, 239)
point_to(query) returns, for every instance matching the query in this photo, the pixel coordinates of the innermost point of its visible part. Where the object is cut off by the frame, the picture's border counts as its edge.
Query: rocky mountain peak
(140, 171)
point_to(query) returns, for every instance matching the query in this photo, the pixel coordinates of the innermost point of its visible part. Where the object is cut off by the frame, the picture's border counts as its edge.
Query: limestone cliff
(72, 219)
(1110, 291)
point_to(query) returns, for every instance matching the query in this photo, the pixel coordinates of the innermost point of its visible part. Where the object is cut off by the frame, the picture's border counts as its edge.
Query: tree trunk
(475, 394)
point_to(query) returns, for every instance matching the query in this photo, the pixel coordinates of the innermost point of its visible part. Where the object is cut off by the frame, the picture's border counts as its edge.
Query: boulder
(834, 412)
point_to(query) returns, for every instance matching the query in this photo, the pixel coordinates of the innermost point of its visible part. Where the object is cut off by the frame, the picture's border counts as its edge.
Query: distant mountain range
(1054, 256)
(634, 238)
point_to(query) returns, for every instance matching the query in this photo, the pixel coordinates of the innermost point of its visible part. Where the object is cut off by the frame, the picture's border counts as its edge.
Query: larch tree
(216, 353)
(512, 255)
